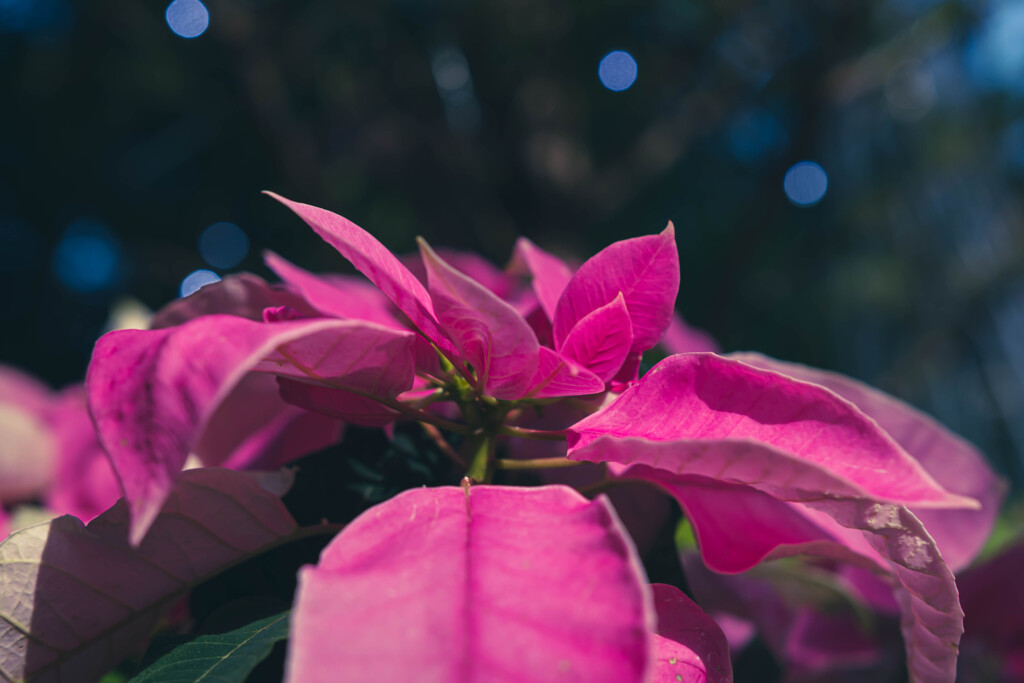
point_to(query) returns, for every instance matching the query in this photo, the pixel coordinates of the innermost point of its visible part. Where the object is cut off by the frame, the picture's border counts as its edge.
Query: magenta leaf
(337, 403)
(152, 393)
(700, 414)
(953, 462)
(601, 340)
(255, 428)
(488, 333)
(689, 645)
(84, 484)
(707, 415)
(646, 271)
(244, 295)
(77, 600)
(335, 296)
(493, 583)
(558, 376)
(548, 274)
(372, 259)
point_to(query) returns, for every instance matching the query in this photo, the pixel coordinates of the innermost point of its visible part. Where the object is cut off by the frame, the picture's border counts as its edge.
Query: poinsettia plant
(530, 375)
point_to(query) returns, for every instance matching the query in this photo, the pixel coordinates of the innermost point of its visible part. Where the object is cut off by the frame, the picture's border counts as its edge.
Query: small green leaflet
(222, 657)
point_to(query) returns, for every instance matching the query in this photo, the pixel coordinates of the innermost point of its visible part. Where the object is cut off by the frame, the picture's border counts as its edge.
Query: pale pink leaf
(706, 415)
(953, 462)
(488, 333)
(930, 615)
(689, 645)
(29, 450)
(498, 583)
(335, 296)
(77, 600)
(244, 295)
(548, 274)
(372, 259)
(152, 393)
(558, 376)
(601, 340)
(646, 271)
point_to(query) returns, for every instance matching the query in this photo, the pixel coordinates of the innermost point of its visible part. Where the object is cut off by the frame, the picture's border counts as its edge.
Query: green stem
(535, 464)
(536, 434)
(482, 461)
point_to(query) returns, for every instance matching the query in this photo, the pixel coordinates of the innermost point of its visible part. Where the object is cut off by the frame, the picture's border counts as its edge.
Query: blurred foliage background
(122, 141)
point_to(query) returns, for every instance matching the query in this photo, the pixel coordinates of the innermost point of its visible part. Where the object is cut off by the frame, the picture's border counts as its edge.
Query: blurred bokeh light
(196, 280)
(617, 70)
(188, 18)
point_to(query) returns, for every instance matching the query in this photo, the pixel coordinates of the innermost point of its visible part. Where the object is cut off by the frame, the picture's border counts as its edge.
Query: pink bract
(478, 584)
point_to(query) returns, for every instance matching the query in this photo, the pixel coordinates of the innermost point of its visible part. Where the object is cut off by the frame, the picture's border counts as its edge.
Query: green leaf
(222, 657)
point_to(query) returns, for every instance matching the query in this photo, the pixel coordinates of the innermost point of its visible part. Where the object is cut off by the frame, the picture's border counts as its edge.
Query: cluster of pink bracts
(867, 507)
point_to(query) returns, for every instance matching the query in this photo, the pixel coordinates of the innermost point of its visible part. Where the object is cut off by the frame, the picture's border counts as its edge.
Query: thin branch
(536, 464)
(537, 434)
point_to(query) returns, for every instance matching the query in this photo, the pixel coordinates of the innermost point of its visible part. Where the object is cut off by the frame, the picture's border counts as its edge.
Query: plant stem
(535, 464)
(537, 434)
(481, 464)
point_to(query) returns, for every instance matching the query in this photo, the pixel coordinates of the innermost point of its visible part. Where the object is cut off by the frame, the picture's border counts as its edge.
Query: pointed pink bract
(498, 583)
(646, 271)
(557, 376)
(703, 414)
(601, 340)
(372, 259)
(335, 296)
(487, 332)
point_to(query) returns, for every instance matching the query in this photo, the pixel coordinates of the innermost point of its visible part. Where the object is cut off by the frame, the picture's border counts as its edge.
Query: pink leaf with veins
(953, 462)
(487, 332)
(548, 274)
(335, 296)
(493, 583)
(372, 259)
(646, 271)
(700, 414)
(337, 403)
(152, 393)
(601, 340)
(77, 600)
(703, 414)
(689, 645)
(557, 376)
